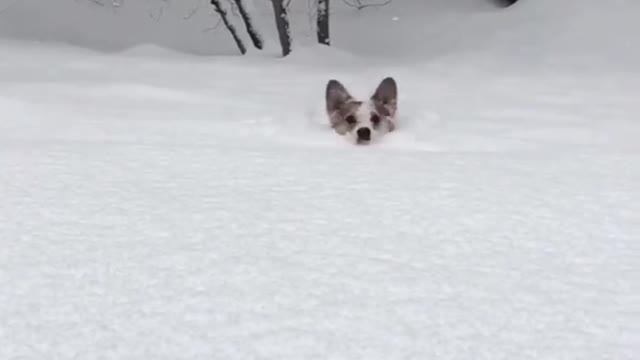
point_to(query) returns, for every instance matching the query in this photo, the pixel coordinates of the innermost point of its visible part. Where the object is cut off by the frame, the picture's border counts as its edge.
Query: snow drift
(537, 31)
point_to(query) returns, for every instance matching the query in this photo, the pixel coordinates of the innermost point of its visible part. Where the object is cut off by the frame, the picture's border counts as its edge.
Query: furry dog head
(362, 121)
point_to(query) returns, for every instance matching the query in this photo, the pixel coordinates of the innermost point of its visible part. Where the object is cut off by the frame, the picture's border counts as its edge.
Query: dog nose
(364, 134)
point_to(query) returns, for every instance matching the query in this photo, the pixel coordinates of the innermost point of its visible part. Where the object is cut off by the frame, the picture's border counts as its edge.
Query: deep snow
(158, 205)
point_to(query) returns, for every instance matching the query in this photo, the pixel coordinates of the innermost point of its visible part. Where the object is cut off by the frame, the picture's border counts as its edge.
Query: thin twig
(8, 6)
(359, 5)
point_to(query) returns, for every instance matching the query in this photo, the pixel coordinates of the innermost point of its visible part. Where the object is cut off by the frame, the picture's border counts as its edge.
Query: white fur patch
(363, 120)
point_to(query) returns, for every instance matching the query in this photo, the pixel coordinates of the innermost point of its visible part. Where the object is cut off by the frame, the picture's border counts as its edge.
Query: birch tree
(282, 24)
(323, 22)
(256, 39)
(219, 8)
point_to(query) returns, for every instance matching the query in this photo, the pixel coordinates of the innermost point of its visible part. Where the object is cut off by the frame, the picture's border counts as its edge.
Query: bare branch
(8, 7)
(359, 5)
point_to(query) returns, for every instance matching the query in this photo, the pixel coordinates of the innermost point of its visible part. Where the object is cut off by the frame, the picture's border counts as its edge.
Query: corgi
(362, 122)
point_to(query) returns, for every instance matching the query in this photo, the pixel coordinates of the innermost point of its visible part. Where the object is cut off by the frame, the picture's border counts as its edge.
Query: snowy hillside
(158, 204)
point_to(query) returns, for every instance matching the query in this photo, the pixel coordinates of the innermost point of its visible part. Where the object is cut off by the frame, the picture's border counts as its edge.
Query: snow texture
(160, 205)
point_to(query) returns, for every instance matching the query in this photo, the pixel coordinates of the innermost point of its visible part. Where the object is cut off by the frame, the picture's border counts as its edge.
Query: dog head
(362, 121)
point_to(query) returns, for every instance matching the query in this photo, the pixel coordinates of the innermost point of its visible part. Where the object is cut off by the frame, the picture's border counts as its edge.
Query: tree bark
(282, 24)
(323, 22)
(248, 22)
(232, 29)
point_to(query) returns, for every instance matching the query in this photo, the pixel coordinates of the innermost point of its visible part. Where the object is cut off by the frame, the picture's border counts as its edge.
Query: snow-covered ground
(157, 205)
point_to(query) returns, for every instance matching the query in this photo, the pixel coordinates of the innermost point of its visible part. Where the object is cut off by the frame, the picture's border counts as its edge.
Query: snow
(162, 205)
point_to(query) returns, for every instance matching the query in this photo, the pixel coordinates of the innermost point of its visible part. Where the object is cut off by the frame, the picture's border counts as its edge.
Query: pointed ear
(336, 95)
(386, 95)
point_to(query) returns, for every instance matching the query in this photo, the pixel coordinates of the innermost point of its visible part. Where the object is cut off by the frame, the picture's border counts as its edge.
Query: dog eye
(375, 119)
(350, 119)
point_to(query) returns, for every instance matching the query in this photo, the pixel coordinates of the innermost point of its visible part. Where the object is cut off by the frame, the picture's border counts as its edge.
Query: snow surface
(157, 205)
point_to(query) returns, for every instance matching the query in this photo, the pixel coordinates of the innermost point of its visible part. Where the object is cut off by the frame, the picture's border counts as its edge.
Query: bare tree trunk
(323, 22)
(248, 22)
(282, 23)
(232, 29)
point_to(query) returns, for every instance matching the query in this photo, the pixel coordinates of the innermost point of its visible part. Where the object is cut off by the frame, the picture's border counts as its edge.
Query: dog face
(362, 121)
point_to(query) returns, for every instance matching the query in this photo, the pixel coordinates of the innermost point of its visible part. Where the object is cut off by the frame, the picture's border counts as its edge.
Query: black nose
(364, 134)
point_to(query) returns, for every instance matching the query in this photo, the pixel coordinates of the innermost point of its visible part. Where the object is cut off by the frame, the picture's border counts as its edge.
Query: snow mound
(541, 32)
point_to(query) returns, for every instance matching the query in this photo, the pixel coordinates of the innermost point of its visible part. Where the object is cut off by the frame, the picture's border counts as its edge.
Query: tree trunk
(232, 29)
(282, 23)
(248, 22)
(323, 22)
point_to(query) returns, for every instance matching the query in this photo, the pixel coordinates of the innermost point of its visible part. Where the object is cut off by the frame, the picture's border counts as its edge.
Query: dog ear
(386, 96)
(336, 95)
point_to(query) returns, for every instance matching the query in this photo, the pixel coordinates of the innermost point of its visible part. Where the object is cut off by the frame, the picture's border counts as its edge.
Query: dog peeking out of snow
(362, 121)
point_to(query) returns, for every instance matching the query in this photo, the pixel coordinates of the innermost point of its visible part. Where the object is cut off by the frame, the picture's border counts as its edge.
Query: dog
(362, 121)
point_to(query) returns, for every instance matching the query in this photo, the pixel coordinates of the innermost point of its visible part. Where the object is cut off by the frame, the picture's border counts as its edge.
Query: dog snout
(364, 134)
